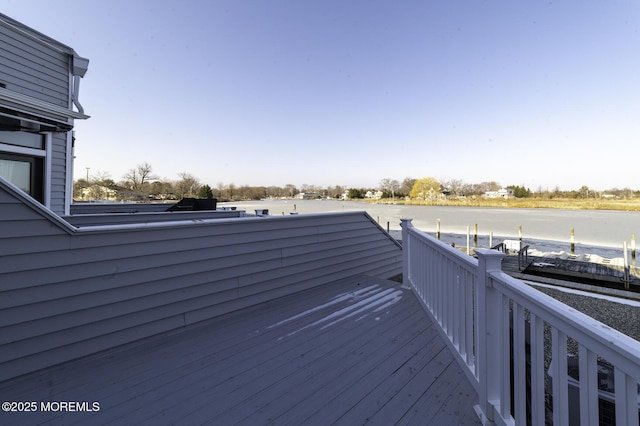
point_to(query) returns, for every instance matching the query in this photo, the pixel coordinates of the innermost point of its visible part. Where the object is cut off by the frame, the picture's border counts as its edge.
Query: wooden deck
(358, 351)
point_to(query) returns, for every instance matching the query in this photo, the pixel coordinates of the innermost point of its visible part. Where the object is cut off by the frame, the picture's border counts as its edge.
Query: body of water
(596, 231)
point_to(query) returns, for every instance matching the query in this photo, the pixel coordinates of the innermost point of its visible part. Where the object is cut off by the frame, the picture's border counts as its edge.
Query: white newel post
(489, 338)
(405, 223)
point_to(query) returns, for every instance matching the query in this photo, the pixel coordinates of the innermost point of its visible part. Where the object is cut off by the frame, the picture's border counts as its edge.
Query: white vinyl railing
(513, 341)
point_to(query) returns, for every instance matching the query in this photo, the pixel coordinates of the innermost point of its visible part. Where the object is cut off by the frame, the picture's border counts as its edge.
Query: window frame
(40, 160)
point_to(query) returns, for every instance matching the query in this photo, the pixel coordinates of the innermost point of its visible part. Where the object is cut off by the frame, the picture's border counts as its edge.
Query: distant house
(99, 192)
(308, 196)
(501, 193)
(374, 195)
(39, 85)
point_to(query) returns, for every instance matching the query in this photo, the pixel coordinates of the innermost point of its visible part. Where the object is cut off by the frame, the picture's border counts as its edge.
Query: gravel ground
(619, 316)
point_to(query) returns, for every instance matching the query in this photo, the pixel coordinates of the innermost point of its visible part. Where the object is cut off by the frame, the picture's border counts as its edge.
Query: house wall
(34, 68)
(68, 292)
(58, 173)
(36, 84)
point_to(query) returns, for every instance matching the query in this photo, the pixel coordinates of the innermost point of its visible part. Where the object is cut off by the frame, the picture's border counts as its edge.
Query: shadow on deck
(357, 351)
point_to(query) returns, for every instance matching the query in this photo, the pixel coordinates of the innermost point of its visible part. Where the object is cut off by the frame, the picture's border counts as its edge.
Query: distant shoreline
(525, 203)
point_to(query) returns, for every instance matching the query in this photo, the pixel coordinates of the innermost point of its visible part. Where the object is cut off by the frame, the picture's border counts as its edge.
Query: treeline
(141, 184)
(583, 193)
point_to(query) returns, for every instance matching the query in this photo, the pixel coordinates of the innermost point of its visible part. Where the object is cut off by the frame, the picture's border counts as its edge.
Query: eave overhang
(17, 105)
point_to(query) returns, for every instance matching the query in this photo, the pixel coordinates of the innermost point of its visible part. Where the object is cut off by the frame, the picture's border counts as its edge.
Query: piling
(438, 228)
(468, 248)
(490, 239)
(633, 249)
(520, 232)
(626, 266)
(573, 241)
(475, 235)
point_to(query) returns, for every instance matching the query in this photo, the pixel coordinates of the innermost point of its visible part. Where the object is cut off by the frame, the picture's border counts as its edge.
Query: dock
(596, 277)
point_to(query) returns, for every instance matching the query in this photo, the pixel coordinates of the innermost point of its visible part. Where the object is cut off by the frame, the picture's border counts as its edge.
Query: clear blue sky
(534, 93)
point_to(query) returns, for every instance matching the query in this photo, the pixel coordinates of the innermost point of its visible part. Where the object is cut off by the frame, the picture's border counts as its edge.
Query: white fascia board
(38, 108)
(15, 149)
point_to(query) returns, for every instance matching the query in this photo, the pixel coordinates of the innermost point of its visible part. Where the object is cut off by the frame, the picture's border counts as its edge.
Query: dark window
(25, 172)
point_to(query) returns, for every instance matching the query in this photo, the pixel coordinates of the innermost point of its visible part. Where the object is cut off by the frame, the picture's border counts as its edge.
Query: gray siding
(121, 218)
(81, 208)
(65, 293)
(39, 67)
(34, 68)
(58, 172)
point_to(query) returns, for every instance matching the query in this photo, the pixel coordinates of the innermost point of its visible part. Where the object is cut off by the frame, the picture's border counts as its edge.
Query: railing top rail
(461, 258)
(609, 343)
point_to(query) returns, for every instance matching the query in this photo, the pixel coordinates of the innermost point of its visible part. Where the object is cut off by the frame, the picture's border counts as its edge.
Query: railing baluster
(626, 398)
(474, 328)
(536, 340)
(457, 304)
(472, 300)
(519, 365)
(505, 358)
(469, 321)
(454, 313)
(560, 383)
(588, 387)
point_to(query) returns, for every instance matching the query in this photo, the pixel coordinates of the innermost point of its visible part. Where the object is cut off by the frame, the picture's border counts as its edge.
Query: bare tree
(290, 190)
(231, 190)
(140, 176)
(310, 188)
(187, 186)
(102, 178)
(585, 192)
(390, 186)
(454, 186)
(407, 185)
(336, 191)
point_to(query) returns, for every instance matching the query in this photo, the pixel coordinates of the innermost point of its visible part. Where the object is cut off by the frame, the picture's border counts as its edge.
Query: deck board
(357, 351)
(340, 399)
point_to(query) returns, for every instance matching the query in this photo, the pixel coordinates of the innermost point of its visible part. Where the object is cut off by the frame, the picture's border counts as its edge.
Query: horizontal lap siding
(40, 70)
(34, 69)
(72, 295)
(18, 223)
(58, 172)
